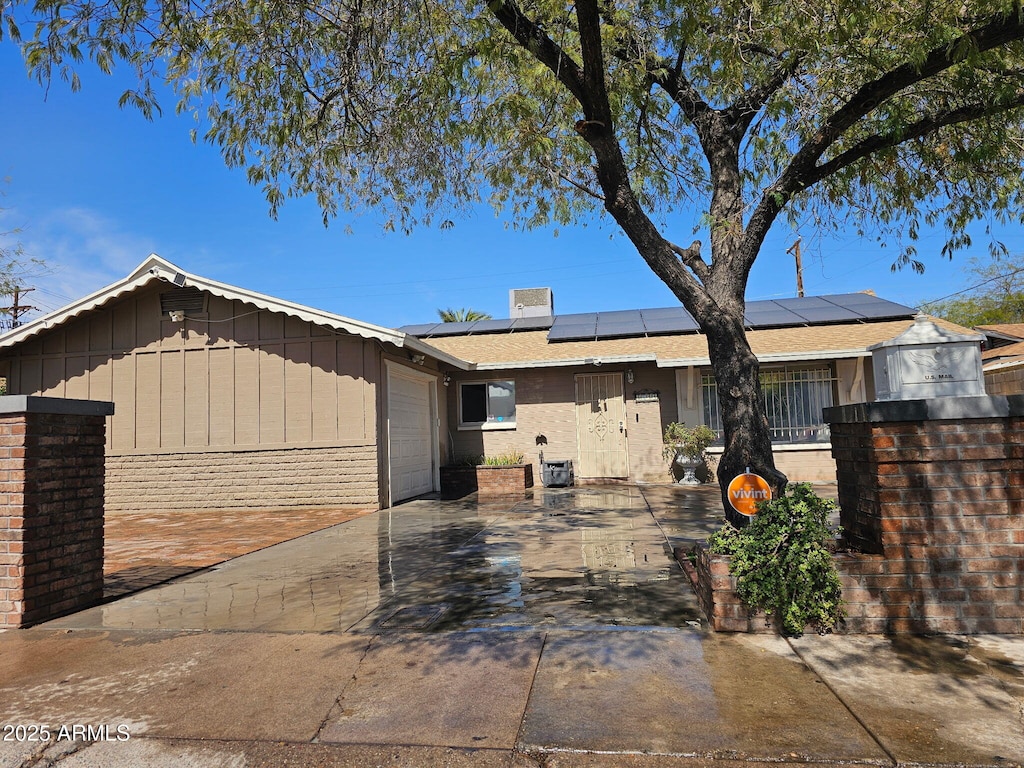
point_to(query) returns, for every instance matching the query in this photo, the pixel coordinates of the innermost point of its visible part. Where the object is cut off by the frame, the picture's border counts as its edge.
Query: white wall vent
(531, 302)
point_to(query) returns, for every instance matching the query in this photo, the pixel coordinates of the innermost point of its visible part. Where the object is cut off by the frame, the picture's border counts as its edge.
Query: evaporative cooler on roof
(531, 302)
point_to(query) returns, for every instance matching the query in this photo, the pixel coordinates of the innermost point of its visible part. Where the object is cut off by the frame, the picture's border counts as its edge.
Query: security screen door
(601, 426)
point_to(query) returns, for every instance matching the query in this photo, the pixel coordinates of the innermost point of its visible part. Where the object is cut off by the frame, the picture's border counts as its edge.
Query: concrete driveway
(556, 631)
(562, 558)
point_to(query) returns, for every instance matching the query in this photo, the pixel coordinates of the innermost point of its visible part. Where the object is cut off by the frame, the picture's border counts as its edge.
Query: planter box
(504, 481)
(716, 590)
(458, 481)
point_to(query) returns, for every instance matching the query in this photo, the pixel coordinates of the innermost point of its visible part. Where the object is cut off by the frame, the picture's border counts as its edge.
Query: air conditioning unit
(531, 302)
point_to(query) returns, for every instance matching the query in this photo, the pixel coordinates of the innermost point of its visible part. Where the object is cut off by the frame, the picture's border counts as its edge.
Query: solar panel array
(592, 326)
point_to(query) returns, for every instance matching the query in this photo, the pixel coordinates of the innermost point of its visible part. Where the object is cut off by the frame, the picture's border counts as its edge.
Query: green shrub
(783, 564)
(506, 459)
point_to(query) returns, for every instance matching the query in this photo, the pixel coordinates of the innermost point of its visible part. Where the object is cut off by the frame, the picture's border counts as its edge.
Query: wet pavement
(567, 558)
(142, 549)
(555, 631)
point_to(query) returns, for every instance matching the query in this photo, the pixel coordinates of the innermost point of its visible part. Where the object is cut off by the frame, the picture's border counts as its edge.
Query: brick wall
(51, 507)
(300, 477)
(932, 494)
(508, 481)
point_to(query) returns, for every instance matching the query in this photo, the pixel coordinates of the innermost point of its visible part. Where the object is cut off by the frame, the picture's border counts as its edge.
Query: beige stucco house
(227, 398)
(599, 388)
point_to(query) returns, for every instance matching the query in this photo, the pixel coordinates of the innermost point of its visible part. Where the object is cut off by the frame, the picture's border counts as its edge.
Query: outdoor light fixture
(177, 315)
(446, 380)
(418, 359)
(629, 375)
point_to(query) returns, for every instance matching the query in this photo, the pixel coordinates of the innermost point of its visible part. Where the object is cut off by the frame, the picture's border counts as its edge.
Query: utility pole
(18, 309)
(795, 250)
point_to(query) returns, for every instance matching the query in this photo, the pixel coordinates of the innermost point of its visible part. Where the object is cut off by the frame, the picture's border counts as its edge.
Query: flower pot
(689, 467)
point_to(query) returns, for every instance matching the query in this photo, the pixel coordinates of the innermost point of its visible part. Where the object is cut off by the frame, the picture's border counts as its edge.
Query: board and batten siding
(244, 406)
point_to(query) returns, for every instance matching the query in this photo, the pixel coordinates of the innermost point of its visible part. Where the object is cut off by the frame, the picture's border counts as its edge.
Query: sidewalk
(552, 633)
(501, 698)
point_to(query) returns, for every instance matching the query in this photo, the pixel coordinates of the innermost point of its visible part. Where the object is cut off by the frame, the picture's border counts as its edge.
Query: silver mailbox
(928, 361)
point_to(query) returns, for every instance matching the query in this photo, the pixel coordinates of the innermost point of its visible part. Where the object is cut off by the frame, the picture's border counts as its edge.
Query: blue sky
(95, 189)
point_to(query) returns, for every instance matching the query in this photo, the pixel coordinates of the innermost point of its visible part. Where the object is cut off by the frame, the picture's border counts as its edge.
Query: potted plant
(685, 447)
(458, 478)
(507, 474)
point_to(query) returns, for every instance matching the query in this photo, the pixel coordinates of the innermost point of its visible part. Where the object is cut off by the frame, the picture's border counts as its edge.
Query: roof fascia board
(773, 357)
(596, 360)
(58, 317)
(415, 345)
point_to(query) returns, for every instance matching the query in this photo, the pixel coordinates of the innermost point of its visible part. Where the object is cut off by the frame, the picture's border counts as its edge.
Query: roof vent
(189, 300)
(530, 302)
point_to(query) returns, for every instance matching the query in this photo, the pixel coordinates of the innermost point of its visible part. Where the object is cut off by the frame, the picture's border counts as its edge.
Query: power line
(975, 287)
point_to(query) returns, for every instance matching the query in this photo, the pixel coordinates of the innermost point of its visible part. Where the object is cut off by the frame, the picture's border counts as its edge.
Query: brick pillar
(935, 488)
(51, 507)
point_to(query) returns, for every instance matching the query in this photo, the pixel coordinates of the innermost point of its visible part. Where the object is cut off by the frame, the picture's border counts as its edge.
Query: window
(487, 404)
(793, 401)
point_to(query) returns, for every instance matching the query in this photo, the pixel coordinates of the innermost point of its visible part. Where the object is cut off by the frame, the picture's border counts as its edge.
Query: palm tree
(461, 315)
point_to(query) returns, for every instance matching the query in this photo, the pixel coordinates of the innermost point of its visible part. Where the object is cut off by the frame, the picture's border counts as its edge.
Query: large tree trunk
(748, 444)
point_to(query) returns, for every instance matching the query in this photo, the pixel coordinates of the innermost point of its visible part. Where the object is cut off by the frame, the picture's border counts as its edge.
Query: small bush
(507, 459)
(783, 564)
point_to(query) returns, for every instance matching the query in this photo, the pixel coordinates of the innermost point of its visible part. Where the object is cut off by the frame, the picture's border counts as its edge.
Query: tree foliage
(882, 119)
(461, 315)
(996, 296)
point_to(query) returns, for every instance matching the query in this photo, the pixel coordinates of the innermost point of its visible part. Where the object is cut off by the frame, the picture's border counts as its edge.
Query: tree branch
(691, 258)
(803, 170)
(998, 31)
(922, 127)
(534, 39)
(745, 109)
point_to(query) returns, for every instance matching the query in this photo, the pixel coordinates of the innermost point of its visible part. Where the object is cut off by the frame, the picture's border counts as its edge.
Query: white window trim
(481, 426)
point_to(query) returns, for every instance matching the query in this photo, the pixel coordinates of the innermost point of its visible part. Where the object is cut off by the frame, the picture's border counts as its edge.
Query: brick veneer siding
(932, 492)
(51, 507)
(298, 477)
(504, 481)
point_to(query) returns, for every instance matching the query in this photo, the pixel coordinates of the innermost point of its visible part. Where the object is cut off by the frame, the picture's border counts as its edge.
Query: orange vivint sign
(746, 490)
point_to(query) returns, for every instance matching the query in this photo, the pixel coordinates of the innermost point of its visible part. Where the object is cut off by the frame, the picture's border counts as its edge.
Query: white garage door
(410, 437)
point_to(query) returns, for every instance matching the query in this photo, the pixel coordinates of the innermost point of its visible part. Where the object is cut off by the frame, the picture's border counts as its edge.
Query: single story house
(599, 388)
(1002, 359)
(229, 398)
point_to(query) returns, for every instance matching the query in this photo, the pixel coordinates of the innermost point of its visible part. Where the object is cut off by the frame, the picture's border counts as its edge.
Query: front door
(601, 426)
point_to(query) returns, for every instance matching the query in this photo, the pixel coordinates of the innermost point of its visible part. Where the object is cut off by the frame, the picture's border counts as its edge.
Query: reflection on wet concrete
(584, 557)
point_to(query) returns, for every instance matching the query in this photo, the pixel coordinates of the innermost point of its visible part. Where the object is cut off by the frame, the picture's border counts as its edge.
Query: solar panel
(668, 320)
(871, 307)
(532, 323)
(831, 314)
(766, 314)
(493, 326)
(453, 329)
(618, 324)
(423, 329)
(574, 332)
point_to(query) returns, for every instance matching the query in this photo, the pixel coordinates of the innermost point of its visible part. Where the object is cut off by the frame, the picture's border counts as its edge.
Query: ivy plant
(783, 563)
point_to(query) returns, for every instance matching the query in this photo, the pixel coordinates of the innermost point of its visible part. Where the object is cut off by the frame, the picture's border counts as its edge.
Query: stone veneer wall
(932, 492)
(297, 477)
(51, 507)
